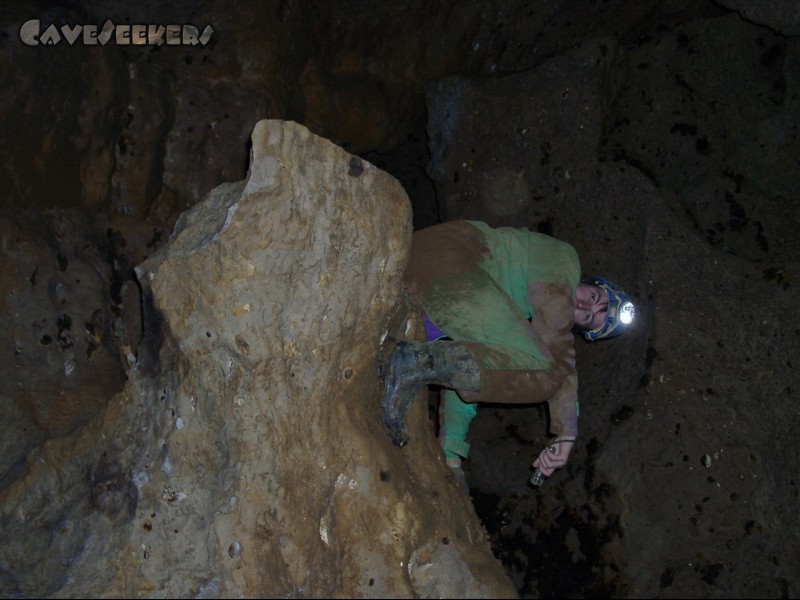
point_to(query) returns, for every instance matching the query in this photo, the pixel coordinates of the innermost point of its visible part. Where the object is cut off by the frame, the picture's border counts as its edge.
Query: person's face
(591, 305)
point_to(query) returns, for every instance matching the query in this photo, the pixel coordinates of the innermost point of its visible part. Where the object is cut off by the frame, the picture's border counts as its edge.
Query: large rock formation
(245, 457)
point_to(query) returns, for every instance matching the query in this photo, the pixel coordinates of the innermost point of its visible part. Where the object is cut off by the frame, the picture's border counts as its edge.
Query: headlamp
(626, 313)
(620, 313)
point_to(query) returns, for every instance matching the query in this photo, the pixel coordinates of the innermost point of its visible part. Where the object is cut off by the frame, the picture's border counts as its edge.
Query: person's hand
(555, 455)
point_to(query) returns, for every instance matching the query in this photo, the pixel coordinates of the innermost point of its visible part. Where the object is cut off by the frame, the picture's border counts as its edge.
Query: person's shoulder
(524, 235)
(509, 229)
(499, 229)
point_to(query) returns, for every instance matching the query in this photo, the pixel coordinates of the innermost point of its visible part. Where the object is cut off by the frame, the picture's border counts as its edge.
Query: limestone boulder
(245, 456)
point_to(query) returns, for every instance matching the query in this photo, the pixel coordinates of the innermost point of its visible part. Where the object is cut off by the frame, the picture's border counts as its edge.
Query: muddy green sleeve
(553, 324)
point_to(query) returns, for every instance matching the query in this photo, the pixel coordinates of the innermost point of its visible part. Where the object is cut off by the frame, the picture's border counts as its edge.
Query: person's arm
(553, 321)
(563, 423)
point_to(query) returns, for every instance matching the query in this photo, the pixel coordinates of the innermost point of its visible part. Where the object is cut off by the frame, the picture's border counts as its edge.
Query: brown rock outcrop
(246, 457)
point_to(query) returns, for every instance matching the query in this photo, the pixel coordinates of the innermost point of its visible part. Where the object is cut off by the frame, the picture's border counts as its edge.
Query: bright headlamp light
(626, 313)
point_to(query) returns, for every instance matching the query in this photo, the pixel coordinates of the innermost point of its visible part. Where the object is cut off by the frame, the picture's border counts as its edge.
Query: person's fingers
(546, 468)
(546, 460)
(554, 456)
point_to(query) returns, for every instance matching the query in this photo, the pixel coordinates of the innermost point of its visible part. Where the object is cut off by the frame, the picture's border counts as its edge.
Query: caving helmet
(620, 313)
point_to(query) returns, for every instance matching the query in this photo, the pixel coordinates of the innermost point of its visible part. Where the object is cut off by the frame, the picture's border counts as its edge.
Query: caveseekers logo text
(31, 33)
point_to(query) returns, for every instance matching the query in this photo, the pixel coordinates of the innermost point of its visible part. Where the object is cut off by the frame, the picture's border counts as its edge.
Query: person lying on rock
(500, 306)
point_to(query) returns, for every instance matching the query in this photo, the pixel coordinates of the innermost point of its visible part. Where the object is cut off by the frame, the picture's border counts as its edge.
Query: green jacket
(507, 294)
